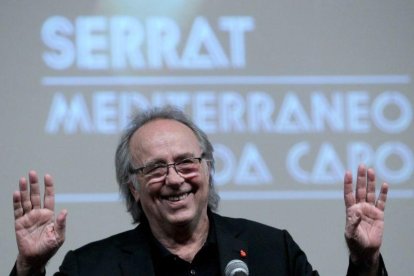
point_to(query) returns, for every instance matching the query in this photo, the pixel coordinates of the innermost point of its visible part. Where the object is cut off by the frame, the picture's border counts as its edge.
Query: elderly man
(164, 166)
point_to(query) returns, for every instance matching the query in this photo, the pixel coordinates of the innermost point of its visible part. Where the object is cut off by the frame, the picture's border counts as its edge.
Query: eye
(187, 161)
(154, 168)
(187, 166)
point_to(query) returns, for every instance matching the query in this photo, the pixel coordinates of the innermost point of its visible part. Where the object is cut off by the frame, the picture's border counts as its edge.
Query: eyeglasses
(156, 171)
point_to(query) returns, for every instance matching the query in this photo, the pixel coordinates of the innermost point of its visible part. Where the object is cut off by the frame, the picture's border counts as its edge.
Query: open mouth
(175, 198)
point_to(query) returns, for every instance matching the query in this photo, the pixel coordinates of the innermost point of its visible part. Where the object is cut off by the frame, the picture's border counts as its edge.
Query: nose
(173, 177)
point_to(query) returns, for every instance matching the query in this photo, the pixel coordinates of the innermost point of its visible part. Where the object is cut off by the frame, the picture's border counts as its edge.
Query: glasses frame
(140, 170)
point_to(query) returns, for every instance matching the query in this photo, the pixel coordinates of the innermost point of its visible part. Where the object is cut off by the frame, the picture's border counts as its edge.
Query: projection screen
(291, 93)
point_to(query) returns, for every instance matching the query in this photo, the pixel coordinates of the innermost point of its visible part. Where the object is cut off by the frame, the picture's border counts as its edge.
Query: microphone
(236, 268)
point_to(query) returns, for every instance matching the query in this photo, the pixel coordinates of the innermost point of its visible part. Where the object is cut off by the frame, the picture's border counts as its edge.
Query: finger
(17, 205)
(382, 197)
(34, 190)
(61, 225)
(371, 186)
(349, 197)
(49, 197)
(24, 195)
(361, 187)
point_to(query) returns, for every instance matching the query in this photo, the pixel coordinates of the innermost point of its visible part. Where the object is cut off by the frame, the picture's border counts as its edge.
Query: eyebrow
(179, 157)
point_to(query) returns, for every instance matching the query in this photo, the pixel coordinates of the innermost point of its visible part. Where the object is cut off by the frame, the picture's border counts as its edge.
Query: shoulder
(115, 241)
(104, 256)
(110, 249)
(246, 227)
(271, 250)
(243, 223)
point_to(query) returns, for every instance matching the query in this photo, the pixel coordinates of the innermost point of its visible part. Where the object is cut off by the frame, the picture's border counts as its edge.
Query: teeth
(177, 198)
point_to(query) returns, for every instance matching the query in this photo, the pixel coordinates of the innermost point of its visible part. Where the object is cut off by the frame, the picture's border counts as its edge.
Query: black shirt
(205, 262)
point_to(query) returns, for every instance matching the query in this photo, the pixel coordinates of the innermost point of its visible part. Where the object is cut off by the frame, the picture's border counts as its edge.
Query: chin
(181, 217)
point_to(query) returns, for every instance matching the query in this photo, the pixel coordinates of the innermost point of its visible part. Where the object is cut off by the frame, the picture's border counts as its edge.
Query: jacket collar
(137, 248)
(230, 247)
(137, 253)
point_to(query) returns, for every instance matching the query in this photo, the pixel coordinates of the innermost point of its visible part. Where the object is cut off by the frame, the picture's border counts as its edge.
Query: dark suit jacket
(269, 251)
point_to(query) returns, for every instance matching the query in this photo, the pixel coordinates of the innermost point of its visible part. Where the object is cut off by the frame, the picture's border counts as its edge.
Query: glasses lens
(188, 166)
(155, 170)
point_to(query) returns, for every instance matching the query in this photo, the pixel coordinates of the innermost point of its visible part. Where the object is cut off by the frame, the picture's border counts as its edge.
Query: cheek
(201, 180)
(150, 190)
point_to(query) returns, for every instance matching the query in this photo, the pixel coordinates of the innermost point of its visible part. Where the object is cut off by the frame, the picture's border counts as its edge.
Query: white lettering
(202, 37)
(91, 43)
(328, 169)
(393, 174)
(254, 112)
(124, 42)
(127, 38)
(232, 110)
(292, 118)
(403, 118)
(55, 32)
(296, 153)
(260, 107)
(128, 103)
(72, 117)
(358, 112)
(359, 153)
(163, 39)
(252, 169)
(105, 112)
(332, 114)
(204, 112)
(225, 164)
(237, 27)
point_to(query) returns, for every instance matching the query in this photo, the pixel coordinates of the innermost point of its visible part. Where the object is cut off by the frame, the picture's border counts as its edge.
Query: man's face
(175, 200)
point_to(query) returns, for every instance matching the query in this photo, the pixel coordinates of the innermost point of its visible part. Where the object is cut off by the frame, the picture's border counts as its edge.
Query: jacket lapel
(137, 260)
(230, 247)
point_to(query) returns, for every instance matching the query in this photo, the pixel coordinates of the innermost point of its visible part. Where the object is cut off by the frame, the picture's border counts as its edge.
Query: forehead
(163, 139)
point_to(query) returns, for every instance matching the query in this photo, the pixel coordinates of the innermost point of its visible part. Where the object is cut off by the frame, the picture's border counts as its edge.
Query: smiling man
(164, 165)
(171, 184)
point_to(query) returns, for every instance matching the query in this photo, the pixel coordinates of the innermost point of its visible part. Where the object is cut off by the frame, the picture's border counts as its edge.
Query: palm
(368, 232)
(35, 233)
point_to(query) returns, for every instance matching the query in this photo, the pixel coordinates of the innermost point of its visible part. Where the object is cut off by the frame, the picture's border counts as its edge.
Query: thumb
(61, 225)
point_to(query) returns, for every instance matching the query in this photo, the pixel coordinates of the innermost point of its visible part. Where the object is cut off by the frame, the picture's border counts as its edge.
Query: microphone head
(236, 268)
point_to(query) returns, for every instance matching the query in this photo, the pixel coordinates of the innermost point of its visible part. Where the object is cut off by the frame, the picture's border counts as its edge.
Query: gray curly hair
(123, 156)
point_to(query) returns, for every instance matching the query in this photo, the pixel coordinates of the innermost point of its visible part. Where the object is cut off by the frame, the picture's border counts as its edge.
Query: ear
(133, 191)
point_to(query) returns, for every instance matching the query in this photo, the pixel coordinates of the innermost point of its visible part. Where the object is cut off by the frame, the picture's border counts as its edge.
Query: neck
(183, 240)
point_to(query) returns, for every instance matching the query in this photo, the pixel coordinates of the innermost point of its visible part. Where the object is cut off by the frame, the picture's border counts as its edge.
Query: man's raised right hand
(38, 234)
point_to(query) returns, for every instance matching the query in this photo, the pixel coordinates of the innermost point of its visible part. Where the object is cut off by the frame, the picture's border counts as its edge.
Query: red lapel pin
(243, 253)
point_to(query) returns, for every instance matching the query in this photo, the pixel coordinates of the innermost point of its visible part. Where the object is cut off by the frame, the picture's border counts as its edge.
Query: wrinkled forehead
(163, 139)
